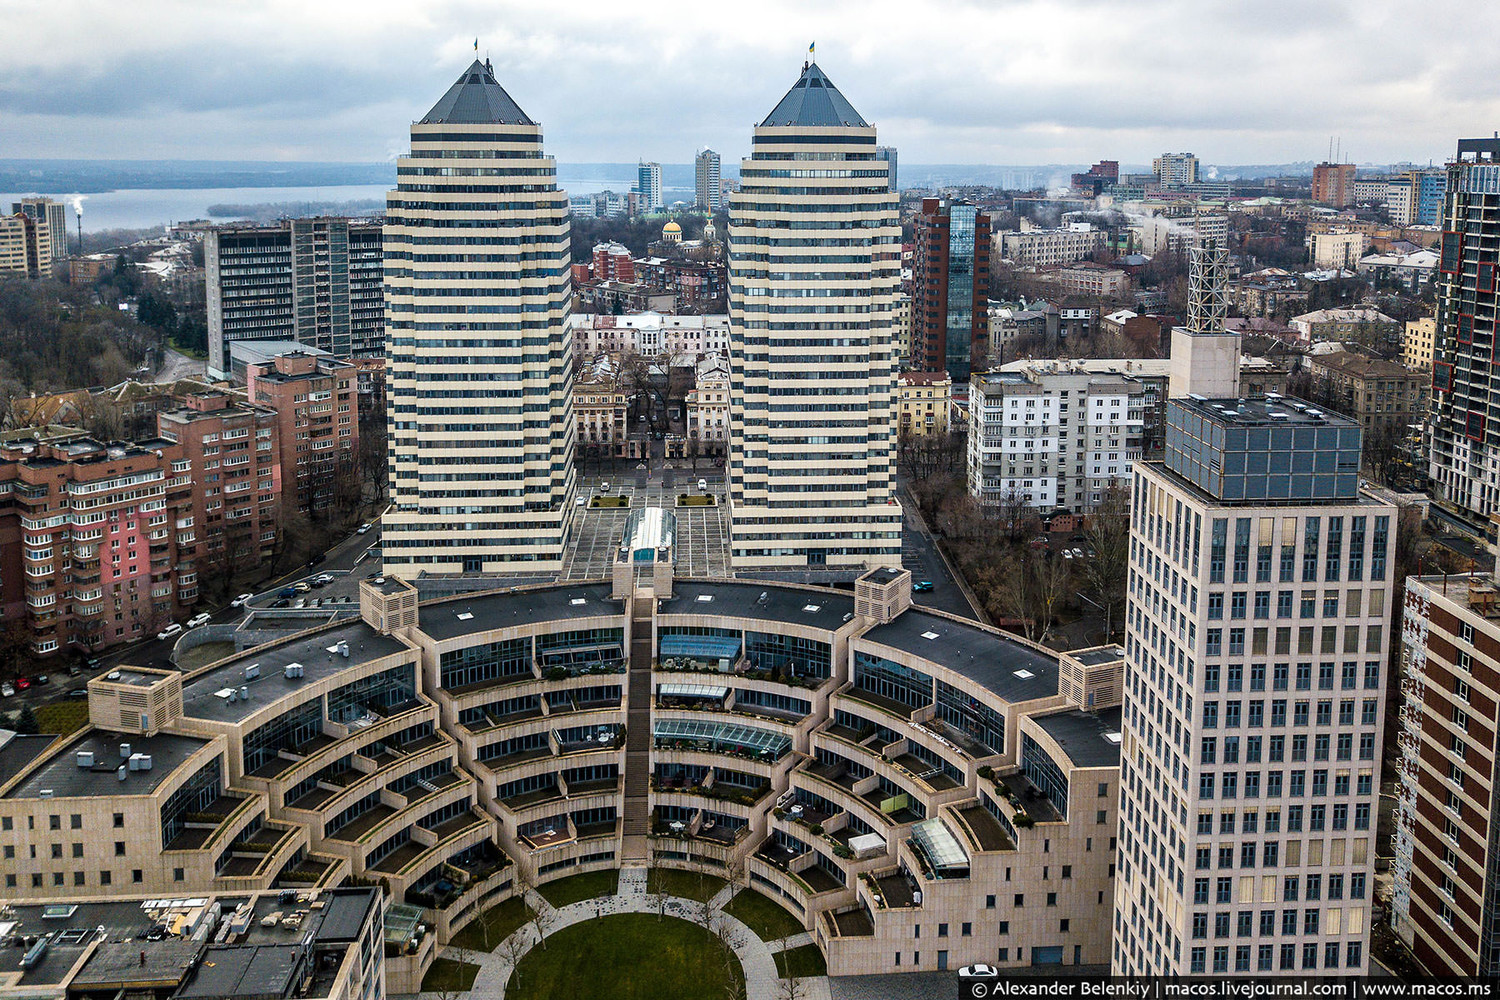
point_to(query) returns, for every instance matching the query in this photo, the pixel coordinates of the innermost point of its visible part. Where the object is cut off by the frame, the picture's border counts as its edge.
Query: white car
(242, 600)
(703, 486)
(603, 489)
(6, 690)
(363, 528)
(323, 578)
(169, 631)
(198, 620)
(581, 501)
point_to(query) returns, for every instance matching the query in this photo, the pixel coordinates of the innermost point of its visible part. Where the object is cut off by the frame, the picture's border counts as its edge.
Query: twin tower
(477, 292)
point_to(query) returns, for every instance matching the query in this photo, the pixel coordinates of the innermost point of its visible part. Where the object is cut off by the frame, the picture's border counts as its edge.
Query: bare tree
(1107, 568)
(1014, 510)
(791, 988)
(1028, 586)
(513, 950)
(734, 972)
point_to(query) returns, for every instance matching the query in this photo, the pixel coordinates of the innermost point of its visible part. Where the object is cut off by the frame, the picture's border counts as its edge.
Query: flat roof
(135, 678)
(118, 964)
(1083, 737)
(345, 913)
(244, 970)
(201, 698)
(997, 663)
(443, 619)
(124, 919)
(819, 608)
(1097, 655)
(66, 779)
(1260, 411)
(17, 751)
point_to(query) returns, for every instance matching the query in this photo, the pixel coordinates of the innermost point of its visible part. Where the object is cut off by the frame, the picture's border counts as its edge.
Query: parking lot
(702, 532)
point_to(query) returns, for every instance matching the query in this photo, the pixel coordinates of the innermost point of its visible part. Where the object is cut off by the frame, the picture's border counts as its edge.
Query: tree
(1107, 569)
(513, 950)
(1014, 509)
(26, 723)
(1028, 585)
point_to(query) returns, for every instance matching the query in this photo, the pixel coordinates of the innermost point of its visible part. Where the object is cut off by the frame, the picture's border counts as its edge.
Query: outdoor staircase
(637, 819)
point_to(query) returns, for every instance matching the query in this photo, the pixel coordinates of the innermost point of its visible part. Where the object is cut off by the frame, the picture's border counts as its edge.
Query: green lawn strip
(448, 976)
(628, 956)
(503, 920)
(801, 962)
(768, 919)
(688, 885)
(63, 717)
(576, 888)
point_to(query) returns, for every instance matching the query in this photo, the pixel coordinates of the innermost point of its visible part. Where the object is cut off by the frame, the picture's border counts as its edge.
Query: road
(919, 553)
(179, 366)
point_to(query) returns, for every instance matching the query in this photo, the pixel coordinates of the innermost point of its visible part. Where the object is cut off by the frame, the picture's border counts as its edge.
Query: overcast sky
(945, 81)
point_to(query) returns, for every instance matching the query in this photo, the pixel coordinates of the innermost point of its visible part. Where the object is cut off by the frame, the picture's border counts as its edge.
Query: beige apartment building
(706, 407)
(25, 246)
(1372, 390)
(812, 432)
(599, 405)
(1416, 349)
(922, 401)
(480, 359)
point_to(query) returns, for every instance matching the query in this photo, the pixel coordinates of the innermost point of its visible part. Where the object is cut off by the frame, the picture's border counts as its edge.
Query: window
(119, 821)
(177, 874)
(135, 875)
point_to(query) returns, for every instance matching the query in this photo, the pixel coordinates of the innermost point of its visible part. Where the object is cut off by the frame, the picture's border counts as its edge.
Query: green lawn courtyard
(628, 956)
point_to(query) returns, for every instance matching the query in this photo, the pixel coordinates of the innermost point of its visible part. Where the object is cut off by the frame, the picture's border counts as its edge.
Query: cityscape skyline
(322, 86)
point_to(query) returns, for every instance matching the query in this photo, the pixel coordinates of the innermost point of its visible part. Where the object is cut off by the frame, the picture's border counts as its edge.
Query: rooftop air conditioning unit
(124, 750)
(85, 758)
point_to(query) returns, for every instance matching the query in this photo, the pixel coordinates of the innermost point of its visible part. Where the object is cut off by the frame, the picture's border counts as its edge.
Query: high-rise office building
(707, 181)
(316, 281)
(1175, 169)
(1447, 843)
(1431, 185)
(1333, 184)
(55, 214)
(888, 154)
(1255, 654)
(950, 288)
(648, 185)
(480, 355)
(812, 472)
(1465, 456)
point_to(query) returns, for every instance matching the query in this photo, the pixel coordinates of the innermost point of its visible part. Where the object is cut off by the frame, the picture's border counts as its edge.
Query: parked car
(580, 501)
(6, 691)
(363, 528)
(42, 679)
(281, 602)
(922, 586)
(78, 693)
(300, 587)
(169, 631)
(22, 683)
(241, 601)
(703, 486)
(287, 592)
(323, 578)
(603, 488)
(197, 620)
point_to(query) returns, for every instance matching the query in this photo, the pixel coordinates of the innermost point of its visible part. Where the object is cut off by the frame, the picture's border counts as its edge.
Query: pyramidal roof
(477, 99)
(814, 100)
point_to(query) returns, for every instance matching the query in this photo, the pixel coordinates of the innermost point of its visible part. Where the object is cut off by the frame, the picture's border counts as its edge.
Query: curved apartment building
(920, 791)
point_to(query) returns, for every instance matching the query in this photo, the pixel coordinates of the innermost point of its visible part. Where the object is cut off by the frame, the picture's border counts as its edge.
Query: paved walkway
(755, 955)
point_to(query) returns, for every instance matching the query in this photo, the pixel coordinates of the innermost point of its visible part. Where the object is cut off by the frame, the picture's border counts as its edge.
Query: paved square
(702, 532)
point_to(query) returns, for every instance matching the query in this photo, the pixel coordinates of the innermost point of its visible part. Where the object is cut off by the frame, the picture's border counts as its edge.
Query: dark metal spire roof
(477, 99)
(814, 100)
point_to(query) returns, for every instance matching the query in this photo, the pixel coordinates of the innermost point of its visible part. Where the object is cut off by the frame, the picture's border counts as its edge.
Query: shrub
(986, 771)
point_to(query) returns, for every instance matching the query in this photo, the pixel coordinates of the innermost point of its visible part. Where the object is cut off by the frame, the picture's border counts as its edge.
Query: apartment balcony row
(216, 822)
(250, 860)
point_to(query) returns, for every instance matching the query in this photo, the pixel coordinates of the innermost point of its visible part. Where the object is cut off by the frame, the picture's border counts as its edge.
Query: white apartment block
(1044, 247)
(1255, 678)
(814, 270)
(649, 334)
(1337, 249)
(480, 377)
(1054, 432)
(1160, 233)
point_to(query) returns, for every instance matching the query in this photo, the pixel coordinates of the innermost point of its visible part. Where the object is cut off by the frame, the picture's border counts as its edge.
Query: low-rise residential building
(1410, 270)
(1337, 249)
(1371, 390)
(1416, 349)
(1268, 291)
(922, 403)
(317, 416)
(649, 334)
(1179, 233)
(1012, 323)
(600, 400)
(706, 407)
(1054, 433)
(1048, 247)
(1088, 278)
(1369, 327)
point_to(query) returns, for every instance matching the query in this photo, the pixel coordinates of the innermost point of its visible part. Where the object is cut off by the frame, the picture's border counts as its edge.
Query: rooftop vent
(292, 670)
(764, 598)
(344, 649)
(124, 749)
(1025, 675)
(706, 598)
(1114, 738)
(120, 774)
(576, 601)
(84, 758)
(929, 635)
(244, 692)
(465, 616)
(46, 793)
(252, 671)
(812, 609)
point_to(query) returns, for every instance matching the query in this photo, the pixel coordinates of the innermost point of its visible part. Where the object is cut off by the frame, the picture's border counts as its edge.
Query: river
(142, 208)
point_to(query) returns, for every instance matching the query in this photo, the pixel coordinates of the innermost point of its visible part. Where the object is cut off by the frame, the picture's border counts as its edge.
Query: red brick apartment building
(317, 413)
(93, 551)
